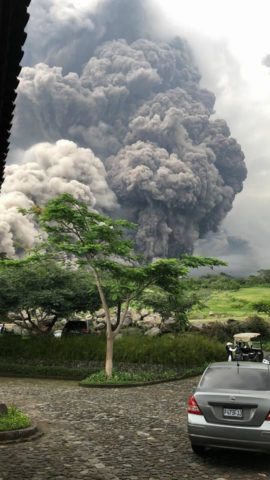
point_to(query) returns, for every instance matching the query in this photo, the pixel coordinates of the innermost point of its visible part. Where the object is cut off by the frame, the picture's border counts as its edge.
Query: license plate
(233, 412)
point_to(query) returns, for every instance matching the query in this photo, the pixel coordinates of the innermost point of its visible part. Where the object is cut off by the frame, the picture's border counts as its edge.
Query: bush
(121, 378)
(257, 324)
(52, 351)
(177, 350)
(223, 332)
(43, 371)
(14, 420)
(183, 350)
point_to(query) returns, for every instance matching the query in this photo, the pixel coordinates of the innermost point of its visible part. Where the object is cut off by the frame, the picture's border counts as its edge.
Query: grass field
(230, 304)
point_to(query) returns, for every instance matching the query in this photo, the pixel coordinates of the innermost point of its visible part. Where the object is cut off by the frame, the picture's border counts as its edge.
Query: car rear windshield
(235, 378)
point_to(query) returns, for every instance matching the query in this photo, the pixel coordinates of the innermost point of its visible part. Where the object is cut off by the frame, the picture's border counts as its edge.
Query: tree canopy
(100, 245)
(35, 294)
(174, 305)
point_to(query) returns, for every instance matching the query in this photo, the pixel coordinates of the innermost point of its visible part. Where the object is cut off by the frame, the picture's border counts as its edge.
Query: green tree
(174, 305)
(100, 245)
(262, 307)
(262, 277)
(35, 294)
(222, 281)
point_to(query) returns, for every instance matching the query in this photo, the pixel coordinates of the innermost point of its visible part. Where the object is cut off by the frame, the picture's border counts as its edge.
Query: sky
(230, 40)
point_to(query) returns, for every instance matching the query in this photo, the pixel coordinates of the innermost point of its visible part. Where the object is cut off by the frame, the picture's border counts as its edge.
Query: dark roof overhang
(13, 20)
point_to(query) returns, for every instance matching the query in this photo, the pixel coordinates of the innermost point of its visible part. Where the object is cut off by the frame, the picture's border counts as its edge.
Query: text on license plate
(233, 412)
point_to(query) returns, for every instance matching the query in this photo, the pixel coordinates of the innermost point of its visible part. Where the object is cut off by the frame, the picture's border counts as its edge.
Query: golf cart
(246, 347)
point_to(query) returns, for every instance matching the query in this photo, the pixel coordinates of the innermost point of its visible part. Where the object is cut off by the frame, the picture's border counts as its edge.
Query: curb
(129, 385)
(141, 384)
(21, 435)
(38, 377)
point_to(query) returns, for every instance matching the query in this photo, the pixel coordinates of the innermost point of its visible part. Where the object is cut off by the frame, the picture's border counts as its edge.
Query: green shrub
(257, 324)
(52, 351)
(128, 377)
(222, 332)
(179, 350)
(185, 350)
(14, 420)
(43, 371)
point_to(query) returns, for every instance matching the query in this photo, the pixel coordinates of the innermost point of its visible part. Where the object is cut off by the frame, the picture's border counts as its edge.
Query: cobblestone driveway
(127, 434)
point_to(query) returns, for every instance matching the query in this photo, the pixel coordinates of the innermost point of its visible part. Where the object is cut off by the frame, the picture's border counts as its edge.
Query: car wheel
(198, 449)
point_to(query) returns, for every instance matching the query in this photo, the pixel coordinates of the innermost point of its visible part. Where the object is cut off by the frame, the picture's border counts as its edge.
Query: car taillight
(268, 417)
(193, 406)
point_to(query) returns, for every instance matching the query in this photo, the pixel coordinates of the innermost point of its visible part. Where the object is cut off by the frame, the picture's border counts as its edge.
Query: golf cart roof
(245, 337)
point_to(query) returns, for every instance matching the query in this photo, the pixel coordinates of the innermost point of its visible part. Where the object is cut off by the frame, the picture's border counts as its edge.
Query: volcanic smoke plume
(117, 117)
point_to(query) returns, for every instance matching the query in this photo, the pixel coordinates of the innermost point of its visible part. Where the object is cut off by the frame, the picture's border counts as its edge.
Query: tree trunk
(51, 325)
(110, 335)
(109, 354)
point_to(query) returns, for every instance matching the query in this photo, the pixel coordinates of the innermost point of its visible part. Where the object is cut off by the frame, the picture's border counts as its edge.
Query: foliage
(221, 331)
(51, 351)
(262, 307)
(37, 293)
(257, 324)
(99, 244)
(170, 305)
(44, 371)
(261, 278)
(181, 351)
(128, 377)
(224, 331)
(221, 281)
(185, 350)
(14, 420)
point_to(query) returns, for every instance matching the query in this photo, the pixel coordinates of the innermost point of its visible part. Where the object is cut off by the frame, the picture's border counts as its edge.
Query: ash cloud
(47, 170)
(236, 251)
(135, 104)
(66, 33)
(15, 229)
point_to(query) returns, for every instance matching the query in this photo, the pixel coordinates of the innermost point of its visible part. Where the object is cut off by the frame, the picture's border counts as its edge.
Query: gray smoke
(138, 105)
(236, 251)
(47, 170)
(66, 33)
(15, 229)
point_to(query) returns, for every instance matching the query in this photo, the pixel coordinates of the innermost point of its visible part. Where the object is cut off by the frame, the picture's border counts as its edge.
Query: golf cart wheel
(259, 357)
(198, 449)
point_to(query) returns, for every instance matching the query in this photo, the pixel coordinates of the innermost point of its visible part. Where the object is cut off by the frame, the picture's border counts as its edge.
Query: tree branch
(103, 300)
(52, 323)
(123, 317)
(33, 324)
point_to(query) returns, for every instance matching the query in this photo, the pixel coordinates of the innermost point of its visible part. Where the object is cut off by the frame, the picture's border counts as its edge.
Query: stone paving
(113, 434)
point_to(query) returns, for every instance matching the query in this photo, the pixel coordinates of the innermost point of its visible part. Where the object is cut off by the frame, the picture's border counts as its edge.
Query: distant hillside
(222, 305)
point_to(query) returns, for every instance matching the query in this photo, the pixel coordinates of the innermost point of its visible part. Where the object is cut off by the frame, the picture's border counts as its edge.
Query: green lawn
(230, 304)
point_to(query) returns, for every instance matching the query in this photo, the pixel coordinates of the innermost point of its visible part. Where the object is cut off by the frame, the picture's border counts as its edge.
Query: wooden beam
(13, 20)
